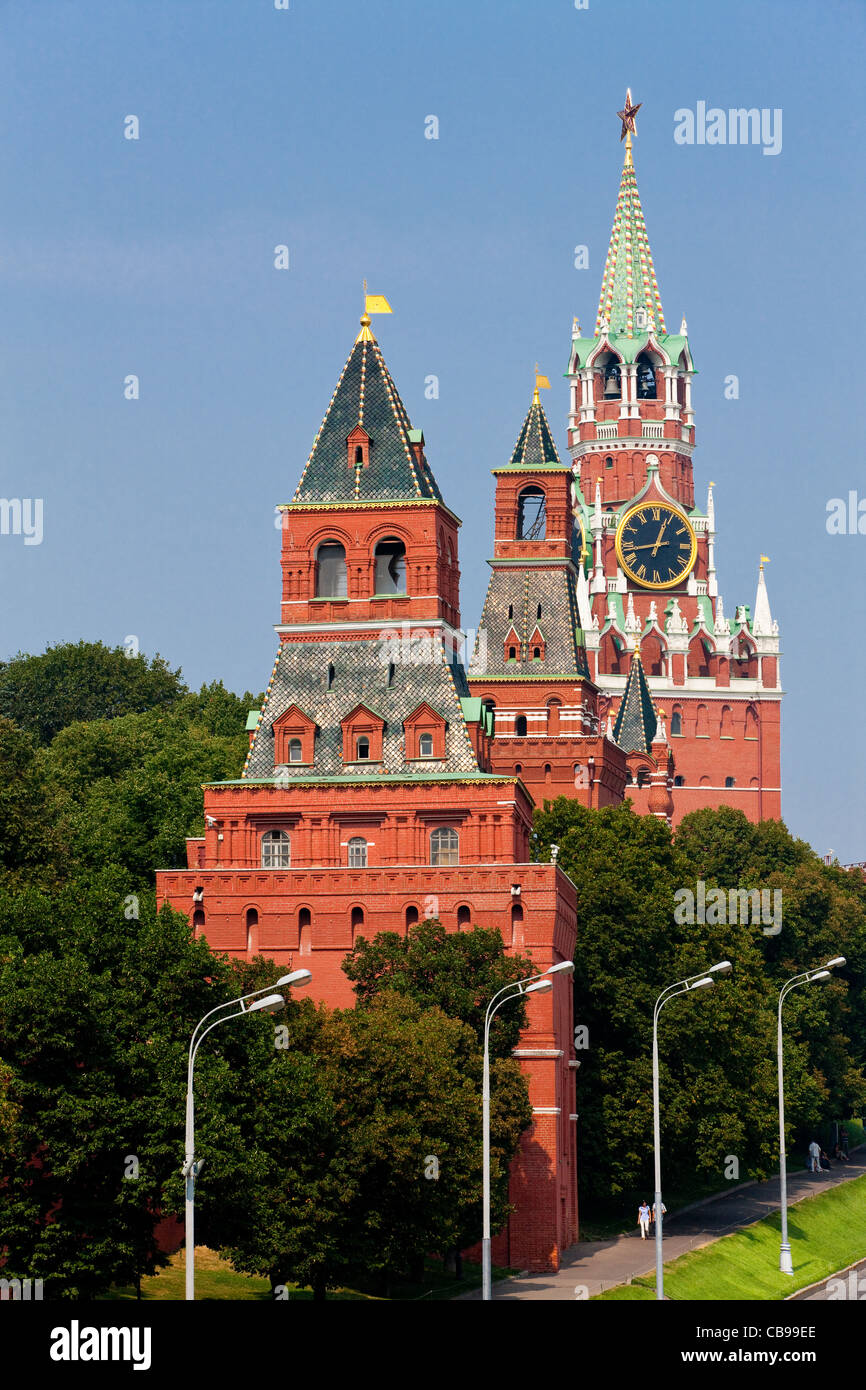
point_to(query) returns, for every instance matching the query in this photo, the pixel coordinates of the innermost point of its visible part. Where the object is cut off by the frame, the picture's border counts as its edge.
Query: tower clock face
(655, 545)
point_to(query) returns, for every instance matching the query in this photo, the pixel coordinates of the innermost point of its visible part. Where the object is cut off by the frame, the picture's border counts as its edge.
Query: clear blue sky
(306, 127)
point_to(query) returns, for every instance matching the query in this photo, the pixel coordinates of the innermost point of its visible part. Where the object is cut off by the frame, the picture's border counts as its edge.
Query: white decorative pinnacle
(608, 728)
(763, 625)
(598, 515)
(684, 328)
(584, 608)
(676, 622)
(720, 627)
(632, 622)
(660, 735)
(711, 510)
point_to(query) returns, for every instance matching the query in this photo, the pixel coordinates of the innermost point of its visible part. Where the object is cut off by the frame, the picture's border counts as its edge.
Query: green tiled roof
(252, 719)
(535, 447)
(629, 280)
(636, 723)
(366, 395)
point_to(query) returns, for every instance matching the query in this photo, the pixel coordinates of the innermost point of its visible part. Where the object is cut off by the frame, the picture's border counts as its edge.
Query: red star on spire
(627, 116)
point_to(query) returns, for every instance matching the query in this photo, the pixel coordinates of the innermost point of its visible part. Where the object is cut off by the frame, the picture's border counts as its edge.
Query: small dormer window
(296, 754)
(425, 746)
(512, 653)
(359, 455)
(362, 749)
(332, 674)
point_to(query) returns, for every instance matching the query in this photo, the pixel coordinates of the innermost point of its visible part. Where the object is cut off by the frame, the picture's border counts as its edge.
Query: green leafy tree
(717, 1050)
(75, 681)
(367, 1147)
(25, 836)
(458, 972)
(96, 1010)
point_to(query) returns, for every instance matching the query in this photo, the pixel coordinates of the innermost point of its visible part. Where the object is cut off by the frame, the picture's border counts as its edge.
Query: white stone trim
(536, 1052)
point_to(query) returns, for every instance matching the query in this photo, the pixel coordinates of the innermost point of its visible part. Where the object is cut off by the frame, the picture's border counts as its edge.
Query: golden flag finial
(541, 383)
(765, 560)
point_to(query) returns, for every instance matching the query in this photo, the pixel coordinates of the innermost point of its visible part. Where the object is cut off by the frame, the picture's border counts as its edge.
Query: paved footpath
(600, 1264)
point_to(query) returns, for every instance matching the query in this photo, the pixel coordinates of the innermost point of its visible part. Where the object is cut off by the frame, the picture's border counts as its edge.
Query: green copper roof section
(535, 447)
(629, 280)
(253, 718)
(366, 396)
(636, 723)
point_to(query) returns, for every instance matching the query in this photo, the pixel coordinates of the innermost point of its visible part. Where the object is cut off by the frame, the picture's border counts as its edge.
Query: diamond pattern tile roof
(365, 395)
(636, 723)
(535, 447)
(514, 596)
(369, 673)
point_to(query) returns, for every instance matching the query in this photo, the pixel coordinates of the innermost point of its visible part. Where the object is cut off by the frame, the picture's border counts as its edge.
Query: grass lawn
(827, 1232)
(215, 1279)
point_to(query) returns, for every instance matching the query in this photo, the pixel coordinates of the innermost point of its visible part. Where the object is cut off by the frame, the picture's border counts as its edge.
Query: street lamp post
(700, 981)
(807, 977)
(533, 984)
(271, 1003)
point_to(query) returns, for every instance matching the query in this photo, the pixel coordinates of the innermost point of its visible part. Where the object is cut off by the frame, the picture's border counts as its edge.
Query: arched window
(276, 850)
(512, 653)
(359, 453)
(295, 751)
(608, 463)
(677, 723)
(611, 378)
(538, 611)
(490, 705)
(520, 726)
(516, 924)
(518, 768)
(646, 378)
(390, 576)
(444, 844)
(642, 778)
(553, 708)
(425, 746)
(331, 570)
(702, 727)
(252, 931)
(357, 923)
(536, 653)
(531, 521)
(362, 748)
(464, 915)
(305, 930)
(547, 772)
(511, 610)
(332, 674)
(411, 917)
(198, 918)
(727, 730)
(389, 675)
(751, 722)
(679, 781)
(729, 782)
(357, 856)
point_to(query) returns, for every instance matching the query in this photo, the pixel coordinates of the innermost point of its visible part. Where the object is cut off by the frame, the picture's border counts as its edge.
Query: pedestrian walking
(815, 1155)
(654, 1212)
(843, 1134)
(643, 1219)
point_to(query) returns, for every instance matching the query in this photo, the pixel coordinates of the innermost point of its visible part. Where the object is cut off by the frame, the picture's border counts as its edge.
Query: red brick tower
(651, 551)
(367, 801)
(529, 666)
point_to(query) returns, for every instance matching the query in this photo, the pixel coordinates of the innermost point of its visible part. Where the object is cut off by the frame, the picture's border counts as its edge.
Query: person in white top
(643, 1219)
(815, 1155)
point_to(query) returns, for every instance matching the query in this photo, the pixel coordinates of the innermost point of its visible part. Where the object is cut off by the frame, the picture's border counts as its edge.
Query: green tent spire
(535, 447)
(636, 722)
(629, 281)
(386, 462)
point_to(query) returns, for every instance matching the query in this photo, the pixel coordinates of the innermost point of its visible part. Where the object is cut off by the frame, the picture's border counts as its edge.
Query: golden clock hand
(660, 534)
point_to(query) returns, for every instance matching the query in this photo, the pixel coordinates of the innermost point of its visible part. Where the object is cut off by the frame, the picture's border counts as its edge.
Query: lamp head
(297, 977)
(724, 967)
(702, 984)
(271, 1004)
(540, 987)
(819, 975)
(564, 967)
(837, 960)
